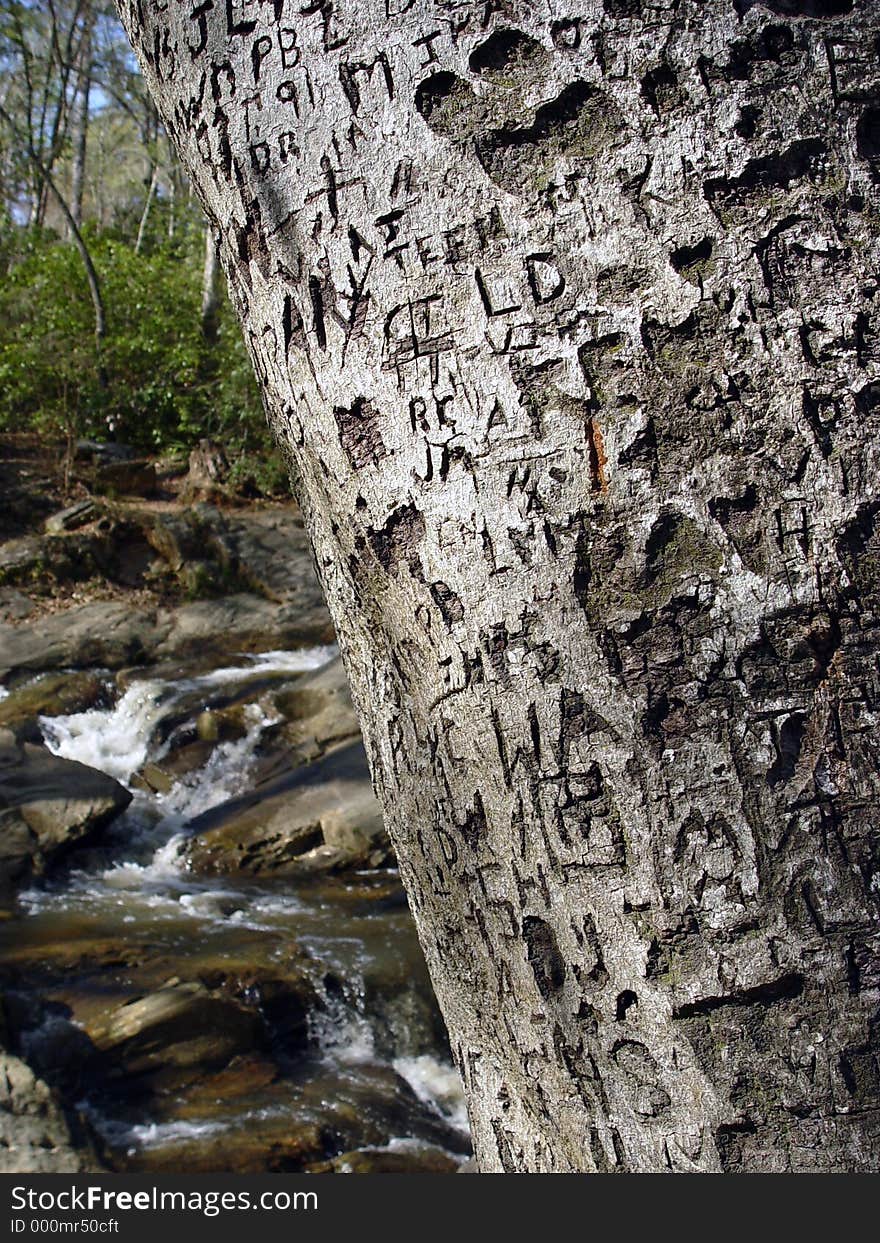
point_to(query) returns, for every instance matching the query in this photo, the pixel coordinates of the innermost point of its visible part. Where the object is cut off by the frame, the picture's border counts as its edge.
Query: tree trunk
(145, 214)
(569, 330)
(81, 121)
(211, 272)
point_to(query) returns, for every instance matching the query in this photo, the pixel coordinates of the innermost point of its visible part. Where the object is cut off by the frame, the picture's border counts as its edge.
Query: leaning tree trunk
(567, 317)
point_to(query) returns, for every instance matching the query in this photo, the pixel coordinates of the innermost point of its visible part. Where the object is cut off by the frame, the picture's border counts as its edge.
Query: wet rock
(54, 694)
(161, 775)
(284, 994)
(17, 849)
(153, 778)
(404, 1158)
(248, 1080)
(182, 1026)
(319, 817)
(48, 805)
(398, 996)
(274, 1145)
(359, 893)
(91, 971)
(299, 1126)
(366, 1105)
(207, 727)
(58, 960)
(35, 1135)
(71, 518)
(227, 724)
(186, 759)
(54, 1047)
(319, 711)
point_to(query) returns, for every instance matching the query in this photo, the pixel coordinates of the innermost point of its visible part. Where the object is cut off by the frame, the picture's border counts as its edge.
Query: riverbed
(223, 1022)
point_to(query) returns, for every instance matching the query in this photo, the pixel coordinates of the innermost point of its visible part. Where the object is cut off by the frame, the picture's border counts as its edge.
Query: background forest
(114, 321)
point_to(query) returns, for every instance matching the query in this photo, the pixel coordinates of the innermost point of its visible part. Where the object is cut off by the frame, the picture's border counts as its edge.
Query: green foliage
(158, 385)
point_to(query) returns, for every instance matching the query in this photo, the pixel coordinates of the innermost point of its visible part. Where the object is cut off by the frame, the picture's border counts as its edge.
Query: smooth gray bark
(145, 214)
(81, 118)
(211, 294)
(566, 317)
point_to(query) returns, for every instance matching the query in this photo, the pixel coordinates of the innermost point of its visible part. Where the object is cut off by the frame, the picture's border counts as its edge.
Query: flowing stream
(365, 1069)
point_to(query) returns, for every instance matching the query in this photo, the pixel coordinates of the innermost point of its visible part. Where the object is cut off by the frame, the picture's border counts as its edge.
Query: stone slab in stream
(359, 1108)
(318, 711)
(47, 805)
(102, 634)
(182, 1027)
(112, 635)
(409, 1158)
(240, 623)
(249, 576)
(316, 817)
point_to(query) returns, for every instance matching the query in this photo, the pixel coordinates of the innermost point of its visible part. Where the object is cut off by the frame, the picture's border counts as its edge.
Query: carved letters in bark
(567, 317)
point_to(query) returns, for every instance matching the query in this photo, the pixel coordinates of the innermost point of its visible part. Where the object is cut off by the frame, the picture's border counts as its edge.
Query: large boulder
(269, 550)
(318, 817)
(113, 635)
(48, 805)
(178, 537)
(248, 576)
(262, 551)
(36, 1136)
(104, 633)
(240, 623)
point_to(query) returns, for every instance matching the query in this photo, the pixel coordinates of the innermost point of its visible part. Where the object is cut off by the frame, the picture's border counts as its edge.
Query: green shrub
(163, 387)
